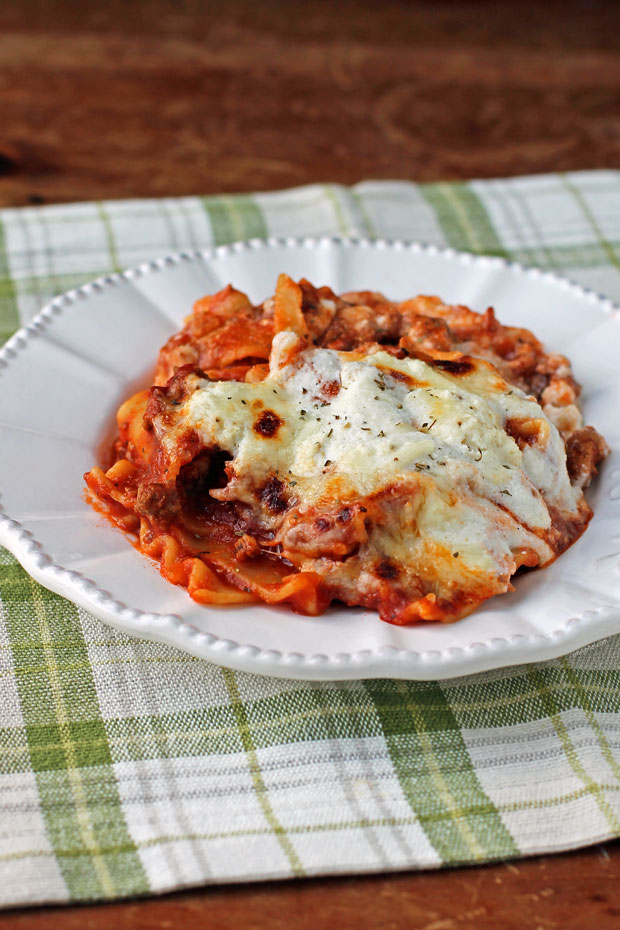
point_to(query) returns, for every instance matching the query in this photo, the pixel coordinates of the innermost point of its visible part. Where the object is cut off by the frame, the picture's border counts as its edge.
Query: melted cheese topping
(345, 426)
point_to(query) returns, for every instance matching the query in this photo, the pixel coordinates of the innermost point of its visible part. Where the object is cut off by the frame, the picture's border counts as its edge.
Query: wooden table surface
(131, 99)
(123, 99)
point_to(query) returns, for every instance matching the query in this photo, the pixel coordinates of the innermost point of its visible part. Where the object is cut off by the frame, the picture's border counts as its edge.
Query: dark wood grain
(576, 891)
(123, 99)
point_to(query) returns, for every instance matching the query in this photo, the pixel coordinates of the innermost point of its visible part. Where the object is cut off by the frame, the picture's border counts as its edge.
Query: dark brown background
(124, 99)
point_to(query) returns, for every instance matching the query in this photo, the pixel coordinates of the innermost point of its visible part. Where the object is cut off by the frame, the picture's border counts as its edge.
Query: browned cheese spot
(461, 366)
(398, 375)
(387, 570)
(267, 424)
(272, 495)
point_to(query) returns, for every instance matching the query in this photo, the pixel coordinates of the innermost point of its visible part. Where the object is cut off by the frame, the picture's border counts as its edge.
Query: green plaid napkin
(130, 768)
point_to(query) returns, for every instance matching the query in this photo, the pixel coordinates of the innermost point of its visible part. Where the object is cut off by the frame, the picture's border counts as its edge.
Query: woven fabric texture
(129, 768)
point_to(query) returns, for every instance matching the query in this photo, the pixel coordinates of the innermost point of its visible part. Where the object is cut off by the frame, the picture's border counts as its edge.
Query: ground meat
(158, 502)
(584, 450)
(246, 548)
(427, 332)
(162, 400)
(357, 324)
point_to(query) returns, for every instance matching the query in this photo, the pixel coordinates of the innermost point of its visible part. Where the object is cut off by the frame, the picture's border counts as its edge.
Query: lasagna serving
(408, 457)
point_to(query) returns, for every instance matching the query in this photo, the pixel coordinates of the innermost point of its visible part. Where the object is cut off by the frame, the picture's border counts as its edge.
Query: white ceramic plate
(62, 378)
